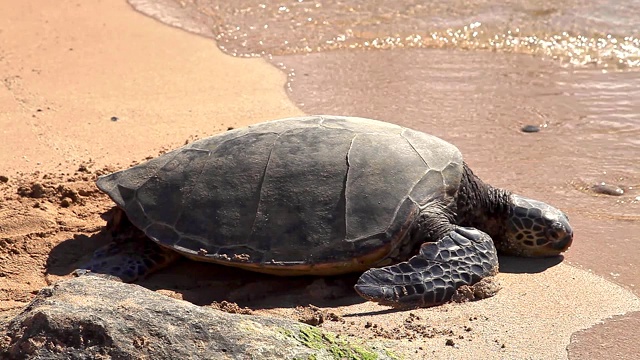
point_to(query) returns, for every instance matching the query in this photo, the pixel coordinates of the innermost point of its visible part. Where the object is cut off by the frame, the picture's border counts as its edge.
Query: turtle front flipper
(464, 256)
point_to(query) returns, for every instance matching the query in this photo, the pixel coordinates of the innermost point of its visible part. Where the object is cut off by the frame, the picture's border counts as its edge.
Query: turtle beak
(561, 236)
(564, 243)
(560, 241)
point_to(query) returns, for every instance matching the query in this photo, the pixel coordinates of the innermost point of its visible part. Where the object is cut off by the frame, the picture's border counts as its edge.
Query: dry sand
(68, 68)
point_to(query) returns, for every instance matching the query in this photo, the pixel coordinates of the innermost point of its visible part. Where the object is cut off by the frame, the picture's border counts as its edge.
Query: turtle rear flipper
(464, 256)
(128, 260)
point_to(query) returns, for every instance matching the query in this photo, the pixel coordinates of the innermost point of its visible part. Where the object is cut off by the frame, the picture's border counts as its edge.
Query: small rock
(65, 202)
(83, 192)
(310, 315)
(607, 189)
(114, 118)
(3, 179)
(230, 128)
(450, 342)
(530, 128)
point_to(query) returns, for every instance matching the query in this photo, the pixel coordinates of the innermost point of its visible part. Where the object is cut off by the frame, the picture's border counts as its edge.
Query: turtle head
(535, 229)
(517, 225)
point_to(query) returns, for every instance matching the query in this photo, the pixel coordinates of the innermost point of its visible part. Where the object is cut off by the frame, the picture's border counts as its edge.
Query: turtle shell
(307, 195)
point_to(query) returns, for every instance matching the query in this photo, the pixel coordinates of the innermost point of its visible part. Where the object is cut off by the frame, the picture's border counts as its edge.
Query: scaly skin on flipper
(130, 256)
(464, 256)
(128, 260)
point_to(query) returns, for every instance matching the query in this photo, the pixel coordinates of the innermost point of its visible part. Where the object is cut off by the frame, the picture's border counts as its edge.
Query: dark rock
(65, 202)
(450, 342)
(3, 178)
(530, 128)
(94, 318)
(114, 118)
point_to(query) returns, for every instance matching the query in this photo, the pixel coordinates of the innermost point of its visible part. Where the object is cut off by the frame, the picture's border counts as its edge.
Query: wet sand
(164, 87)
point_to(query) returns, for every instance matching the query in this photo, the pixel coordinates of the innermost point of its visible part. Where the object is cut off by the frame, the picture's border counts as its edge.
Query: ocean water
(585, 33)
(472, 73)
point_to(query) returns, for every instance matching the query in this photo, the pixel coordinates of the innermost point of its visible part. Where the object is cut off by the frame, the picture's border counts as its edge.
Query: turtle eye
(553, 230)
(556, 230)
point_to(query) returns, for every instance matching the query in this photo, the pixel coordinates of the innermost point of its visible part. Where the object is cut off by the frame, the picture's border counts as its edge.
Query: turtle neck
(482, 206)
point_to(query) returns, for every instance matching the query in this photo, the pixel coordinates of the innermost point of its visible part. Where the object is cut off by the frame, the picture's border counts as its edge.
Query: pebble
(65, 202)
(114, 118)
(607, 189)
(3, 179)
(530, 128)
(450, 342)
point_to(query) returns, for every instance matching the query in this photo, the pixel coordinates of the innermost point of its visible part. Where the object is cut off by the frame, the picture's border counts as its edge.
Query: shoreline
(62, 89)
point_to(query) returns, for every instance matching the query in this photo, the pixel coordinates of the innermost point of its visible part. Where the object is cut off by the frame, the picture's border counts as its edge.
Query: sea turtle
(326, 195)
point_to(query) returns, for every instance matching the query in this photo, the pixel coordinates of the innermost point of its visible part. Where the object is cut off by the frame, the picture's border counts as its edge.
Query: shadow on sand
(202, 283)
(520, 265)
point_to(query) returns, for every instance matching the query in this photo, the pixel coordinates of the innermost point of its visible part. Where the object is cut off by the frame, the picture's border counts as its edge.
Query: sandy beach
(95, 86)
(68, 69)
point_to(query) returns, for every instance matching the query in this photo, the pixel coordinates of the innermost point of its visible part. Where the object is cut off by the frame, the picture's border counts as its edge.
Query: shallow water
(591, 33)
